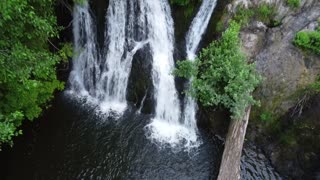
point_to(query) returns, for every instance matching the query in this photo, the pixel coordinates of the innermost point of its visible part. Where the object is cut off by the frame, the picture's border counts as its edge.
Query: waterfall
(101, 75)
(120, 47)
(193, 38)
(165, 127)
(103, 78)
(85, 71)
(198, 27)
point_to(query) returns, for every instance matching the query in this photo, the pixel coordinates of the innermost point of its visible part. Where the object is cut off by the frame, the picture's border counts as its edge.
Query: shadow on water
(73, 142)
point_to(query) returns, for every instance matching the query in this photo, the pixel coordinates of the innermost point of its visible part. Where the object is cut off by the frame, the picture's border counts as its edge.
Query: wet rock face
(299, 159)
(99, 9)
(253, 39)
(285, 67)
(140, 81)
(286, 70)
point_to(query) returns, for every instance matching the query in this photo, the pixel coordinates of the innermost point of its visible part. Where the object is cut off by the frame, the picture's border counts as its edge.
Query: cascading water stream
(113, 82)
(121, 45)
(198, 27)
(103, 79)
(85, 65)
(193, 38)
(166, 127)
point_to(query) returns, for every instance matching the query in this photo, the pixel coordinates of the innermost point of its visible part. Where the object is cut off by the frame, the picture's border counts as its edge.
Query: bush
(264, 13)
(220, 26)
(293, 3)
(221, 75)
(312, 89)
(308, 40)
(243, 15)
(8, 127)
(266, 117)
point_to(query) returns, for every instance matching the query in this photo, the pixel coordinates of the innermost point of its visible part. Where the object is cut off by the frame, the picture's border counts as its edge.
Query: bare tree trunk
(230, 163)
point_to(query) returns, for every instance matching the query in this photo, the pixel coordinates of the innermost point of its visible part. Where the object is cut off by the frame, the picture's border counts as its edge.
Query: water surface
(73, 142)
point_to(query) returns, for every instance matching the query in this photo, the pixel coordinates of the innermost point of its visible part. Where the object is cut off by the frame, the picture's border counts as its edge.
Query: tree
(221, 74)
(222, 77)
(27, 67)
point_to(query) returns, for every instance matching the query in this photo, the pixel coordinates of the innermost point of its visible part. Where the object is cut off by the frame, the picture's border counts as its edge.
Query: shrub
(308, 40)
(266, 13)
(266, 117)
(293, 3)
(221, 75)
(220, 26)
(243, 15)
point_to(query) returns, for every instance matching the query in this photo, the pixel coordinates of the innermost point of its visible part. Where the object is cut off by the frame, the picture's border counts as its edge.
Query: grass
(264, 12)
(293, 3)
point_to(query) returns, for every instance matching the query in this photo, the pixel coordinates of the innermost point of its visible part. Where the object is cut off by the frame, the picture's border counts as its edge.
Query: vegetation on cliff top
(263, 12)
(27, 67)
(308, 40)
(221, 74)
(293, 3)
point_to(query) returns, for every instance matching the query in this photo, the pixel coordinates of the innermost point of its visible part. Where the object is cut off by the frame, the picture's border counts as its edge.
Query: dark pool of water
(72, 142)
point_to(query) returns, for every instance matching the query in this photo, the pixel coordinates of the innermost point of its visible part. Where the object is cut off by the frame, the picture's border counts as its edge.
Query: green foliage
(266, 117)
(188, 6)
(243, 15)
(182, 2)
(66, 52)
(188, 11)
(275, 23)
(288, 139)
(310, 90)
(264, 12)
(186, 69)
(315, 87)
(220, 26)
(308, 40)
(80, 2)
(27, 67)
(221, 75)
(293, 3)
(8, 127)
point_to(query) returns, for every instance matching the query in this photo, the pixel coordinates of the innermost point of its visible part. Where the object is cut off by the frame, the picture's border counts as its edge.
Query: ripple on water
(75, 142)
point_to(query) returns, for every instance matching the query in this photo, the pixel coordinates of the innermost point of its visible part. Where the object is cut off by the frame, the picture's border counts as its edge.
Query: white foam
(113, 106)
(174, 135)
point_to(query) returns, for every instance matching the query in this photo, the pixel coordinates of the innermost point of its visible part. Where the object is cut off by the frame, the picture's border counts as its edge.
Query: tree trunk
(230, 163)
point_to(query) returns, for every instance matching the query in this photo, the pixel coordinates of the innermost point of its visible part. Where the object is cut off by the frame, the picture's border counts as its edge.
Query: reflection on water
(76, 143)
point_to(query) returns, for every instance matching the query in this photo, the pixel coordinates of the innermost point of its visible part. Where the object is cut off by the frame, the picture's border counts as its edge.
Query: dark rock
(140, 81)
